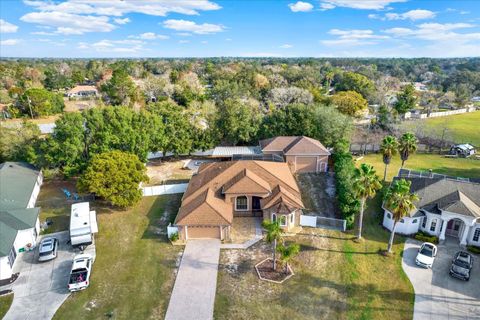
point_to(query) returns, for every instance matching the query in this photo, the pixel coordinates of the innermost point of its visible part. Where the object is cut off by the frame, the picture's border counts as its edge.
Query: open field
(461, 128)
(135, 267)
(5, 302)
(460, 167)
(335, 278)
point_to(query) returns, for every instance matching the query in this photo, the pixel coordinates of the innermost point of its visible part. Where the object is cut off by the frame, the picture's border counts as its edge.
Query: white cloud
(66, 23)
(44, 33)
(7, 27)
(114, 46)
(261, 54)
(300, 6)
(9, 42)
(358, 4)
(437, 32)
(152, 36)
(413, 15)
(355, 37)
(183, 41)
(286, 46)
(228, 39)
(184, 34)
(120, 8)
(122, 21)
(190, 26)
(204, 42)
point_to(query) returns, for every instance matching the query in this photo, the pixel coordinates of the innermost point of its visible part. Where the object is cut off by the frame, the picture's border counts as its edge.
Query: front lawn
(134, 271)
(5, 302)
(459, 167)
(335, 278)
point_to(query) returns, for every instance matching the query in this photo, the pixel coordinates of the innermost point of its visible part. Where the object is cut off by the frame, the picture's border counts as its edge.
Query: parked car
(462, 264)
(426, 255)
(47, 249)
(80, 274)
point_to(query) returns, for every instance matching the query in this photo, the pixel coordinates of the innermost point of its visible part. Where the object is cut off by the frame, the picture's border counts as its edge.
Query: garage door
(306, 164)
(195, 232)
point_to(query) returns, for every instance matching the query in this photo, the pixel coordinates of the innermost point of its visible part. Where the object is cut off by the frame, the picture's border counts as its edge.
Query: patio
(244, 232)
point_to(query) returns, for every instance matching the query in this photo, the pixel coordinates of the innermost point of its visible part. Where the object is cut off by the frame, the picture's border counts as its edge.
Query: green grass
(335, 278)
(462, 128)
(5, 302)
(133, 273)
(460, 167)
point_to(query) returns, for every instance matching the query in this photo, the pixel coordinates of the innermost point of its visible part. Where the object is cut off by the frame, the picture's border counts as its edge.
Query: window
(476, 235)
(424, 222)
(389, 216)
(11, 257)
(433, 226)
(274, 217)
(283, 221)
(241, 203)
(402, 221)
(414, 221)
(292, 216)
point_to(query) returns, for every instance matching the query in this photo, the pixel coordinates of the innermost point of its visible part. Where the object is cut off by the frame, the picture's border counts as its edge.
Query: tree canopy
(350, 102)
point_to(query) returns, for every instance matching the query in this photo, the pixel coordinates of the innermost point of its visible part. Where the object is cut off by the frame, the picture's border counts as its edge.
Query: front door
(453, 227)
(256, 208)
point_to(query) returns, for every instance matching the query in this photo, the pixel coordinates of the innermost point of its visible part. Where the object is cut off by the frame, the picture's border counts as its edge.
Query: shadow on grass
(162, 212)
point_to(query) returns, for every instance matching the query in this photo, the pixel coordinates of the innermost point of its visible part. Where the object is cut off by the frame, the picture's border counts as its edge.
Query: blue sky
(206, 28)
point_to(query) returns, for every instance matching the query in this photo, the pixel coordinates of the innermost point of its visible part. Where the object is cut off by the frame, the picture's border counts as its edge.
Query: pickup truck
(80, 274)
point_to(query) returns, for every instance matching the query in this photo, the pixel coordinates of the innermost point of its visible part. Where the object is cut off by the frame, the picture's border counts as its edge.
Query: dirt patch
(160, 171)
(266, 272)
(318, 194)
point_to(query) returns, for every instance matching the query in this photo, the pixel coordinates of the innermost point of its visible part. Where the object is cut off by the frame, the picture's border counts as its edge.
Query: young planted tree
(287, 253)
(366, 183)
(407, 146)
(274, 234)
(388, 148)
(399, 201)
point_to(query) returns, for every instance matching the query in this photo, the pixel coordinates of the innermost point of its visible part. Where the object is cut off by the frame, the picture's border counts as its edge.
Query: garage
(305, 164)
(203, 232)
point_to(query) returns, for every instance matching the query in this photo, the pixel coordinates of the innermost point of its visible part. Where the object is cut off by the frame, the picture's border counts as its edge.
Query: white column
(465, 233)
(443, 230)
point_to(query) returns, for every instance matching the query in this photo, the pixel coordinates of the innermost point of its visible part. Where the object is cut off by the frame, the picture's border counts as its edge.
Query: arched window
(241, 204)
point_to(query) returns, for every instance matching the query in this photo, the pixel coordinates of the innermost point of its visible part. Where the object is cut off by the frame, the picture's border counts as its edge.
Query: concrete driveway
(193, 295)
(41, 287)
(437, 295)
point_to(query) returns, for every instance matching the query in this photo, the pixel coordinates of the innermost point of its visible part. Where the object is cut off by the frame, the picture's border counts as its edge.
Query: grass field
(460, 167)
(335, 278)
(462, 128)
(134, 271)
(5, 302)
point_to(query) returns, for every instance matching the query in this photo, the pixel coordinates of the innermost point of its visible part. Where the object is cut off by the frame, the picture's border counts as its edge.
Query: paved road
(41, 287)
(437, 295)
(193, 295)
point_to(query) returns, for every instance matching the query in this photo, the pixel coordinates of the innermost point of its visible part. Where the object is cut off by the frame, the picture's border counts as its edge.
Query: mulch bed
(265, 271)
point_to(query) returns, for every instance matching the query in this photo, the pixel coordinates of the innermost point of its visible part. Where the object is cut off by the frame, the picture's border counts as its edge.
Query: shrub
(347, 201)
(174, 237)
(425, 237)
(474, 249)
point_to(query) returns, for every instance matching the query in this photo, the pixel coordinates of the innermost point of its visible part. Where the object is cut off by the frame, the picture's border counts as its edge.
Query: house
(244, 188)
(19, 223)
(462, 150)
(82, 92)
(446, 207)
(303, 154)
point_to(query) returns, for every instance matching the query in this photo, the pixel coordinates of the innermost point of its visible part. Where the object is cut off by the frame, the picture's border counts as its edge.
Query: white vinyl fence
(164, 189)
(323, 222)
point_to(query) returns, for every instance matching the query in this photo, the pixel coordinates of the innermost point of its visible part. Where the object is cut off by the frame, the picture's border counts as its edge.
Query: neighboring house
(462, 150)
(82, 92)
(303, 154)
(447, 207)
(244, 188)
(19, 223)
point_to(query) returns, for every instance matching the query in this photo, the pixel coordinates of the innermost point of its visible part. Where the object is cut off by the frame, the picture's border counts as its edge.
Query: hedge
(425, 237)
(344, 170)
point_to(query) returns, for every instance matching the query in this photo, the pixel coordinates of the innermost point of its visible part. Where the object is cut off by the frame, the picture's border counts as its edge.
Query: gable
(246, 182)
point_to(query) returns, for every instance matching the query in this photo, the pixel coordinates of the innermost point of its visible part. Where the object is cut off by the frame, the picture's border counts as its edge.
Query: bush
(344, 170)
(174, 237)
(425, 237)
(474, 249)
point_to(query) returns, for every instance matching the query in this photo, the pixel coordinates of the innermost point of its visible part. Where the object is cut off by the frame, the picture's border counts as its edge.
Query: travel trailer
(83, 224)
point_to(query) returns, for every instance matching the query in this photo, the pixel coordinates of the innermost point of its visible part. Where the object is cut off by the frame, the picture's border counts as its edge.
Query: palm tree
(365, 185)
(408, 145)
(388, 148)
(400, 202)
(274, 233)
(287, 253)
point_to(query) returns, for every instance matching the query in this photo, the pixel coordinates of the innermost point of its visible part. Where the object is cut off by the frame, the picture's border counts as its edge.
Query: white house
(19, 223)
(447, 207)
(82, 92)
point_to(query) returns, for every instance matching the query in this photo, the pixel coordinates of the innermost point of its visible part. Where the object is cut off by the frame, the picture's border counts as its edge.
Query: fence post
(344, 225)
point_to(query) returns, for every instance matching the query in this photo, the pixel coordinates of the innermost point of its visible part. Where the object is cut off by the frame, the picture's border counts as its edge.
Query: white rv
(83, 224)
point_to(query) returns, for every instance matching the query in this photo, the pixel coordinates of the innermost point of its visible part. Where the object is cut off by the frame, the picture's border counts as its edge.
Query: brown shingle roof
(293, 145)
(203, 200)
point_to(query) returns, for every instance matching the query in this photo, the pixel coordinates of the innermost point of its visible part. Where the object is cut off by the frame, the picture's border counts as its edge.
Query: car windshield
(426, 251)
(461, 263)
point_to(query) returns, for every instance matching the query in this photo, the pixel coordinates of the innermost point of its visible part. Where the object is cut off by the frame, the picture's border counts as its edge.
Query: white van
(83, 224)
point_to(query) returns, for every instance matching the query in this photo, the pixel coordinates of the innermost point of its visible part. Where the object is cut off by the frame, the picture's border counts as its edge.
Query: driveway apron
(438, 296)
(193, 294)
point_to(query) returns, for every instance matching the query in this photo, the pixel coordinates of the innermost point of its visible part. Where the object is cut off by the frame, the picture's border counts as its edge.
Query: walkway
(193, 295)
(437, 295)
